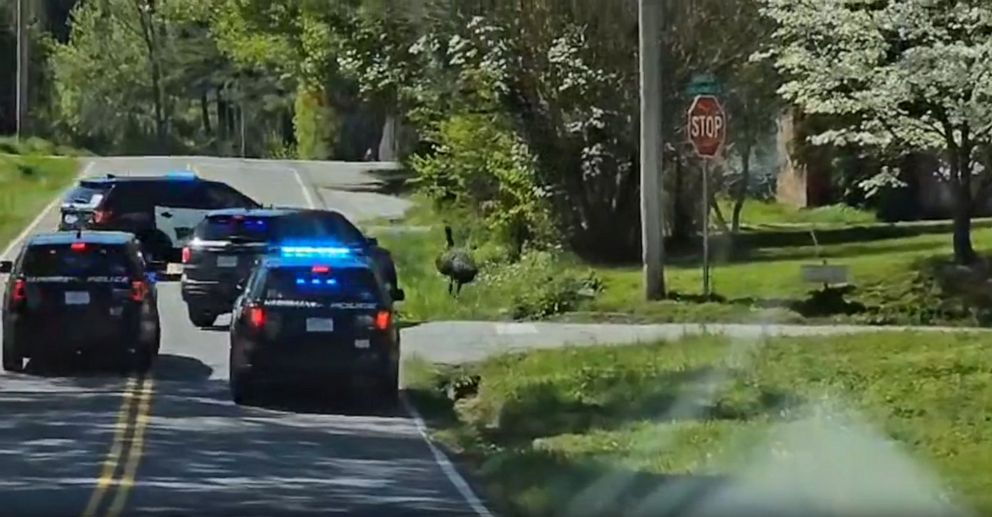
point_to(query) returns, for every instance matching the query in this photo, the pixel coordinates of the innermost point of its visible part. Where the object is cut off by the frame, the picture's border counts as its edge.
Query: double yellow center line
(121, 465)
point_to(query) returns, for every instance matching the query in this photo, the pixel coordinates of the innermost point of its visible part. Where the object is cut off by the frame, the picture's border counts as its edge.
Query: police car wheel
(389, 388)
(12, 361)
(201, 318)
(142, 361)
(241, 389)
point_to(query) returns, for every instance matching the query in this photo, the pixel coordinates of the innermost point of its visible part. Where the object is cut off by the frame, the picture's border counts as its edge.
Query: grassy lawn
(761, 213)
(27, 184)
(599, 431)
(899, 276)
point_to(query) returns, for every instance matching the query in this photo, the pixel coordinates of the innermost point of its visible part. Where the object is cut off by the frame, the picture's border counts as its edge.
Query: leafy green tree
(898, 76)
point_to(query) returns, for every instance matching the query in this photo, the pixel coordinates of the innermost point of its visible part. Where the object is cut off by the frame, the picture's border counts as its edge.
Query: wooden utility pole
(652, 238)
(23, 60)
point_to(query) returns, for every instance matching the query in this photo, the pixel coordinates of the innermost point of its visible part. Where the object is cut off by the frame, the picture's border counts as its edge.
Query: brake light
(320, 269)
(78, 246)
(256, 317)
(102, 216)
(20, 293)
(382, 319)
(139, 290)
(186, 255)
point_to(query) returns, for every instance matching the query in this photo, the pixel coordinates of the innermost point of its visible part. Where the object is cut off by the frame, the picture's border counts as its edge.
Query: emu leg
(451, 286)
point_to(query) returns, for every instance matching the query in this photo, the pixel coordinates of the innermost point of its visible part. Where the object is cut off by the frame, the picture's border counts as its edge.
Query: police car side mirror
(399, 295)
(373, 241)
(6, 266)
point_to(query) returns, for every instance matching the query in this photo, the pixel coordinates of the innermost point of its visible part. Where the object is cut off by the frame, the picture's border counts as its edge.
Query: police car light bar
(181, 175)
(313, 251)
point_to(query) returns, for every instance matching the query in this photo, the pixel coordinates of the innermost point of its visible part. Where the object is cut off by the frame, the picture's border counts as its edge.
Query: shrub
(315, 125)
(542, 285)
(479, 162)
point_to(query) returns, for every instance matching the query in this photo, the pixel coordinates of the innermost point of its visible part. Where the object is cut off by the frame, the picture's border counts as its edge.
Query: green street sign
(704, 84)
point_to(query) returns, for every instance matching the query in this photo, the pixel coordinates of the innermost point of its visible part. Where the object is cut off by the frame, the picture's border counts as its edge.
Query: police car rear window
(352, 284)
(85, 195)
(219, 228)
(87, 259)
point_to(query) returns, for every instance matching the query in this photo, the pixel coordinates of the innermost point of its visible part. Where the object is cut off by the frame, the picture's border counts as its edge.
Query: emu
(457, 264)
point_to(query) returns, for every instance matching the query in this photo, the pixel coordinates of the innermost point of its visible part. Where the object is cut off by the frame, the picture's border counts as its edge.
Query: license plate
(173, 269)
(77, 298)
(320, 325)
(227, 261)
(362, 343)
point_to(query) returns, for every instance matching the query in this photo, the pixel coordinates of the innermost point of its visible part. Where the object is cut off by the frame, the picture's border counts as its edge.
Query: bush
(315, 125)
(543, 286)
(479, 162)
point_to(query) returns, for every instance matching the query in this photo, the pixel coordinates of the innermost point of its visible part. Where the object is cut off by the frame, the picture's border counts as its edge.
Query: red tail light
(256, 317)
(78, 246)
(186, 255)
(20, 292)
(101, 216)
(139, 290)
(382, 319)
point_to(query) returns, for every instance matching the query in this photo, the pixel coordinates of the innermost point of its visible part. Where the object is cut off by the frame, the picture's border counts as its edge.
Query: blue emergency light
(313, 251)
(181, 175)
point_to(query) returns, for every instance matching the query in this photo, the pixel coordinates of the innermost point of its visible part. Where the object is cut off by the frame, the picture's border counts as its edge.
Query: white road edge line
(37, 220)
(303, 186)
(446, 466)
(442, 461)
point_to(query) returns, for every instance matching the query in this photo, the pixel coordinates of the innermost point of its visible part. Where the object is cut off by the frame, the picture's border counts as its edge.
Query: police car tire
(389, 387)
(12, 362)
(201, 318)
(241, 388)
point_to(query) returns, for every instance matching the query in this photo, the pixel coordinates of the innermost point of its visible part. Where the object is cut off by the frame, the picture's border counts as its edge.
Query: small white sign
(173, 269)
(227, 261)
(320, 325)
(362, 343)
(825, 274)
(77, 298)
(71, 219)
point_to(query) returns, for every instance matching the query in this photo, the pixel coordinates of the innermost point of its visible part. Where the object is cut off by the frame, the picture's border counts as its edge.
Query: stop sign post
(706, 126)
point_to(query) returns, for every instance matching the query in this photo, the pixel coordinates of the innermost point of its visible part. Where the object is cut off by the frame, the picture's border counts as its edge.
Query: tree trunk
(964, 252)
(720, 219)
(741, 192)
(205, 113)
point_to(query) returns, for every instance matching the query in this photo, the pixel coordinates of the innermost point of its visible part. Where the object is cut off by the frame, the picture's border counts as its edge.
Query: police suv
(74, 293)
(161, 210)
(319, 315)
(218, 259)
(227, 243)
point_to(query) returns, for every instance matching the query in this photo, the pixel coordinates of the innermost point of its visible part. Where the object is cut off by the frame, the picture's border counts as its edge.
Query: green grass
(758, 213)
(548, 431)
(27, 184)
(897, 271)
(38, 147)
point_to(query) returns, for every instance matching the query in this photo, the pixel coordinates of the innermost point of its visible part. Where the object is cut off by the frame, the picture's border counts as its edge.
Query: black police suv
(222, 253)
(72, 293)
(161, 210)
(227, 243)
(317, 319)
(334, 226)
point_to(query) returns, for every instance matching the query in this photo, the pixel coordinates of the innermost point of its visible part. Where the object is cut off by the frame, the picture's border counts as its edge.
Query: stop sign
(707, 126)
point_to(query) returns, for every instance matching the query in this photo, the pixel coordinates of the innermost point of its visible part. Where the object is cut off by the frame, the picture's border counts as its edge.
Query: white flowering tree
(897, 76)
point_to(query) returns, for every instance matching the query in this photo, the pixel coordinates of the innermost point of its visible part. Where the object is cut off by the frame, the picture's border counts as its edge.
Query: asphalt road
(174, 444)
